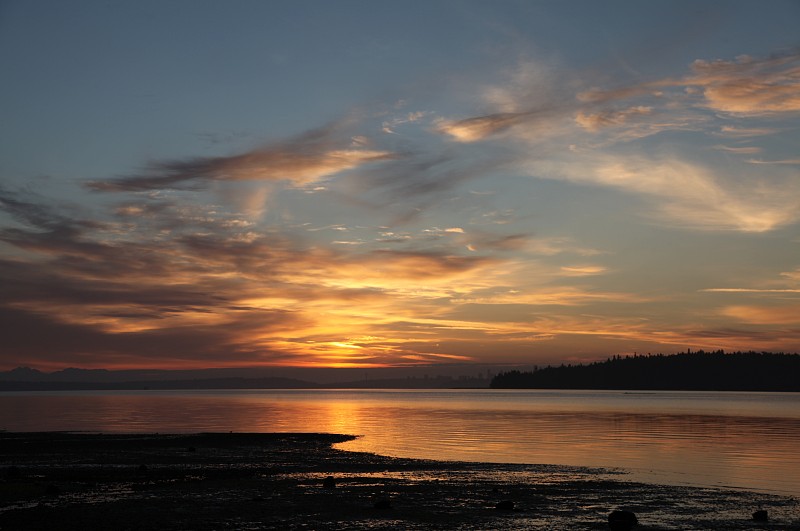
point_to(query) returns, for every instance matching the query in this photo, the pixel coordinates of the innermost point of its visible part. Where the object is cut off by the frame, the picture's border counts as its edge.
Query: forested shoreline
(695, 371)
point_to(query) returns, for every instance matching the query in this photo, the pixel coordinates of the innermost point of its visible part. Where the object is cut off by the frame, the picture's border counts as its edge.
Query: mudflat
(300, 481)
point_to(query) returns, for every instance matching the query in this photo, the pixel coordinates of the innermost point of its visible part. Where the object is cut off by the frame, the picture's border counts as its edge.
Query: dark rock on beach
(622, 520)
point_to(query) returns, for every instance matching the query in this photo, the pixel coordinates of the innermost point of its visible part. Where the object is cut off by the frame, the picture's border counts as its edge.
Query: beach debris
(329, 483)
(761, 515)
(505, 505)
(382, 504)
(622, 520)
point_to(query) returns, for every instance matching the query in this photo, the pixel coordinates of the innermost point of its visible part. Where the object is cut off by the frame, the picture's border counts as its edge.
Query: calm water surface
(746, 440)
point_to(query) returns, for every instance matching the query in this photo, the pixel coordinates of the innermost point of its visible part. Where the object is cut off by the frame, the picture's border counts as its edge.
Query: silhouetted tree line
(710, 371)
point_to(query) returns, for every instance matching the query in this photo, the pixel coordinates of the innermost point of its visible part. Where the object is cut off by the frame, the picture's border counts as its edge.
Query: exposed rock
(761, 516)
(622, 520)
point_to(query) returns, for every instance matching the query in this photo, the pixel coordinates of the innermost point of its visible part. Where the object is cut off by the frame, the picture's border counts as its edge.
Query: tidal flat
(257, 481)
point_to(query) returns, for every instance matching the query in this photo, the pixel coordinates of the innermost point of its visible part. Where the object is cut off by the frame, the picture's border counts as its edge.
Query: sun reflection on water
(743, 440)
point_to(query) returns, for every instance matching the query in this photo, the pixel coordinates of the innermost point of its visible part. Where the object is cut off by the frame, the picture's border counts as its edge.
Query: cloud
(583, 270)
(739, 150)
(408, 273)
(557, 245)
(749, 86)
(686, 194)
(163, 282)
(792, 275)
(389, 126)
(598, 120)
(750, 290)
(29, 208)
(276, 275)
(481, 241)
(409, 186)
(529, 101)
(559, 296)
(300, 161)
(790, 162)
(544, 122)
(745, 87)
(68, 344)
(764, 315)
(481, 127)
(745, 132)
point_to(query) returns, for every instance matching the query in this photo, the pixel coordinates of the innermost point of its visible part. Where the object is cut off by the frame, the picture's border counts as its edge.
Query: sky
(192, 184)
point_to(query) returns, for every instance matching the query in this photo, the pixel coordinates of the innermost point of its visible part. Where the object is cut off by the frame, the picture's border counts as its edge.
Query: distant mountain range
(695, 371)
(28, 379)
(712, 371)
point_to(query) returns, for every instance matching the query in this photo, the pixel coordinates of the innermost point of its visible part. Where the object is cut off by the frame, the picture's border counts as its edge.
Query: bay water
(714, 439)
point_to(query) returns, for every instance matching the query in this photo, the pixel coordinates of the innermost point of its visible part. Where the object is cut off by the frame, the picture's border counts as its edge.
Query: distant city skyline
(364, 184)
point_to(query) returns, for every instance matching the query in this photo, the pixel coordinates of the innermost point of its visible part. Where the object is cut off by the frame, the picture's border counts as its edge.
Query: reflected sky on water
(747, 440)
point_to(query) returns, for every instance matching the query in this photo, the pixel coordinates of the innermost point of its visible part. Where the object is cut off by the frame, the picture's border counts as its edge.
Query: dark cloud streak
(306, 157)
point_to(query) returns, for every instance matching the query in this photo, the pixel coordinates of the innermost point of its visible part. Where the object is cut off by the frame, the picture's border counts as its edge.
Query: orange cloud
(750, 86)
(764, 315)
(480, 127)
(599, 120)
(583, 270)
(747, 86)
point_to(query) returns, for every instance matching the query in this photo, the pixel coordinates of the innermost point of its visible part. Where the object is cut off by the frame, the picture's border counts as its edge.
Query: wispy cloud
(739, 150)
(791, 162)
(299, 161)
(583, 270)
(764, 315)
(594, 121)
(792, 275)
(747, 86)
(481, 127)
(745, 132)
(390, 126)
(686, 194)
(563, 296)
(749, 290)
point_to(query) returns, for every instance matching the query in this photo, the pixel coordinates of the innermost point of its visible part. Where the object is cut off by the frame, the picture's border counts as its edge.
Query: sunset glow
(364, 184)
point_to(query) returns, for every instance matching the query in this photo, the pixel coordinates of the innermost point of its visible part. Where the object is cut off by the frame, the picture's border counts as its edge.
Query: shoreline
(68, 480)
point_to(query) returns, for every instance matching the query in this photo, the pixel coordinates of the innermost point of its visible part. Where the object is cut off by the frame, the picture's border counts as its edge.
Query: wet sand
(278, 481)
